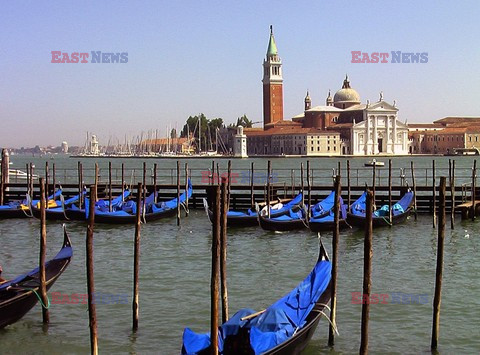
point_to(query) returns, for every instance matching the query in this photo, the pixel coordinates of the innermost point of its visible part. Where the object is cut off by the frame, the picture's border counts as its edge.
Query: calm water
(262, 267)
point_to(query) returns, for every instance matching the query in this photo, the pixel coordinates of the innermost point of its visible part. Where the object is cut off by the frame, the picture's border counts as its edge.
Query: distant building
(168, 145)
(272, 84)
(449, 135)
(94, 148)
(343, 126)
(240, 144)
(64, 147)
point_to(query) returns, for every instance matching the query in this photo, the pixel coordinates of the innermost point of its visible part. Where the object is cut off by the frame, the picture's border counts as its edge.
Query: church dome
(346, 96)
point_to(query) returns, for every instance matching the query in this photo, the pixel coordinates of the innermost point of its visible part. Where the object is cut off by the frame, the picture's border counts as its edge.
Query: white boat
(373, 162)
(18, 174)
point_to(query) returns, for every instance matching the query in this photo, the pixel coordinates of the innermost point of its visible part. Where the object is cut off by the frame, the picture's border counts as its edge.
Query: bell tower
(272, 84)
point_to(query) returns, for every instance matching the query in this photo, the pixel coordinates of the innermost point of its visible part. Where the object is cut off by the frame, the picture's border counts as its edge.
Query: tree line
(208, 128)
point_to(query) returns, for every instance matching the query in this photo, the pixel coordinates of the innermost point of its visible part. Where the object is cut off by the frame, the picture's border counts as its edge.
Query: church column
(375, 137)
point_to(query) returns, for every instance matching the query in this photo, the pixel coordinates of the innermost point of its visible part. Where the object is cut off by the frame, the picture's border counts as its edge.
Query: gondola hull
(281, 226)
(18, 297)
(327, 226)
(14, 213)
(51, 214)
(360, 221)
(237, 221)
(244, 340)
(75, 214)
(299, 342)
(131, 219)
(247, 218)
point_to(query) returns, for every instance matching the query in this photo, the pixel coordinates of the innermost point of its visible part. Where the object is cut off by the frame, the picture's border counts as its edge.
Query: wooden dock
(466, 209)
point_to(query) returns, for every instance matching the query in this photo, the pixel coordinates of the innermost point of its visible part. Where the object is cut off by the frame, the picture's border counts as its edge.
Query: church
(343, 126)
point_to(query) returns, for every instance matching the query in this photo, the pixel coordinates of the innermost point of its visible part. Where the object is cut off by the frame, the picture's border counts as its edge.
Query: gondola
(74, 212)
(293, 219)
(126, 212)
(326, 222)
(374, 162)
(18, 296)
(15, 209)
(283, 328)
(21, 209)
(57, 212)
(250, 217)
(400, 211)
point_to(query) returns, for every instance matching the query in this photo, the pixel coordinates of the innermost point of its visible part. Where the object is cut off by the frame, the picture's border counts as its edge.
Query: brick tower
(272, 84)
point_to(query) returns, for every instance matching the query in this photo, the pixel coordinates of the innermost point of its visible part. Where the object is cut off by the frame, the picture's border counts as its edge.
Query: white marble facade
(380, 132)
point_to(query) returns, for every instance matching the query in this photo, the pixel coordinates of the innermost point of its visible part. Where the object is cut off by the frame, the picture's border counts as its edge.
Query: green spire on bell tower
(272, 47)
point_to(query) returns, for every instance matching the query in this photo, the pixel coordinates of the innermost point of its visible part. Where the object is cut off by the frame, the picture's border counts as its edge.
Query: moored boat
(400, 211)
(374, 162)
(125, 213)
(283, 328)
(326, 222)
(18, 296)
(293, 219)
(250, 217)
(58, 209)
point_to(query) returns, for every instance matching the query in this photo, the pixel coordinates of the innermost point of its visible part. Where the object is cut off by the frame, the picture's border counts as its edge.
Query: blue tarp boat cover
(359, 206)
(324, 218)
(167, 205)
(325, 206)
(278, 323)
(250, 213)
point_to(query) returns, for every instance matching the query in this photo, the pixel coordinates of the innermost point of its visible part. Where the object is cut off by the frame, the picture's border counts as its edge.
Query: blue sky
(189, 57)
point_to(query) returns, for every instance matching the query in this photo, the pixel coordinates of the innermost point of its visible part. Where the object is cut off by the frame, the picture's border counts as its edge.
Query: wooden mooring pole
(374, 174)
(348, 183)
(136, 258)
(110, 186)
(2, 178)
(43, 248)
(223, 249)
(178, 193)
(367, 267)
(31, 180)
(309, 191)
(437, 300)
(474, 180)
(301, 184)
(80, 185)
(27, 169)
(186, 190)
(452, 193)
(155, 182)
(54, 182)
(336, 236)
(92, 313)
(144, 191)
(390, 191)
(434, 196)
(215, 272)
(414, 189)
(229, 182)
(269, 170)
(123, 182)
(252, 186)
(213, 173)
(292, 176)
(46, 183)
